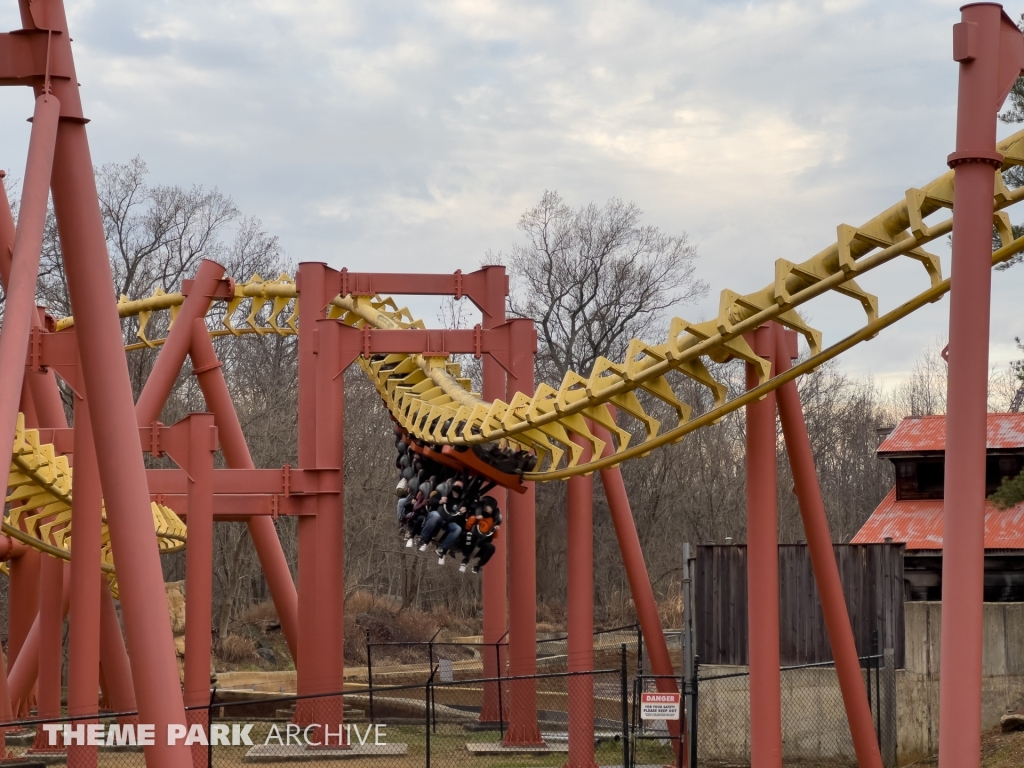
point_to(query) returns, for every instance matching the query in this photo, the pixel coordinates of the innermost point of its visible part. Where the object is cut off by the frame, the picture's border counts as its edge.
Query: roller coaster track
(432, 402)
(39, 492)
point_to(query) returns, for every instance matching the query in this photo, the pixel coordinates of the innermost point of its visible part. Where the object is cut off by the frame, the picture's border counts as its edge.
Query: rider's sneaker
(440, 560)
(408, 542)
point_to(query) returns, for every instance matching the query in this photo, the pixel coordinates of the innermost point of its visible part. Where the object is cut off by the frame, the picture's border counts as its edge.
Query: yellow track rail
(432, 401)
(39, 492)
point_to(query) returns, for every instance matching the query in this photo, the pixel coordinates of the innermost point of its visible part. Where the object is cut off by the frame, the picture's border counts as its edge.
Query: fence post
(209, 727)
(875, 662)
(501, 703)
(426, 715)
(878, 699)
(639, 650)
(369, 671)
(695, 684)
(889, 733)
(625, 709)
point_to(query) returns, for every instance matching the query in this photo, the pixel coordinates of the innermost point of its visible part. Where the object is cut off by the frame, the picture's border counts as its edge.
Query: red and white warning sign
(659, 706)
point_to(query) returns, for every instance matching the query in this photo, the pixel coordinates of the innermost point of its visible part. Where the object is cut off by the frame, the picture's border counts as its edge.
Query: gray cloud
(397, 136)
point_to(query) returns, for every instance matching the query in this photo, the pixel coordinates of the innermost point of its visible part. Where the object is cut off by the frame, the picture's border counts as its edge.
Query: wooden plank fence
(872, 577)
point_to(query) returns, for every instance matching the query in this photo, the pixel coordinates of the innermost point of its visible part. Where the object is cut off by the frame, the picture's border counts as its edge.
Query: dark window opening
(998, 468)
(919, 479)
(924, 479)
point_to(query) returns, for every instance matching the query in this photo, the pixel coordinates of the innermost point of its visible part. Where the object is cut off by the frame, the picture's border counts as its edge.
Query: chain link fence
(408, 662)
(477, 722)
(452, 720)
(814, 726)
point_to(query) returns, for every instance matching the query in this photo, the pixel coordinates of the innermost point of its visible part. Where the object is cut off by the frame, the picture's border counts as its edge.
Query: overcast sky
(411, 135)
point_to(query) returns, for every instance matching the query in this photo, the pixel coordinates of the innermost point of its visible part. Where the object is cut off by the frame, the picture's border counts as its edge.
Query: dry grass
(362, 601)
(261, 614)
(237, 649)
(998, 750)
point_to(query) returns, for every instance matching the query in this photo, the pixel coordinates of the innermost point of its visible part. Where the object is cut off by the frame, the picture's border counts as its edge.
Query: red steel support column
(495, 575)
(639, 584)
(50, 647)
(311, 282)
(84, 621)
(180, 340)
(7, 233)
(21, 285)
(23, 596)
(172, 354)
(823, 561)
(199, 575)
(580, 603)
(117, 670)
(989, 48)
(763, 567)
(24, 671)
(105, 373)
(521, 526)
(330, 528)
(207, 369)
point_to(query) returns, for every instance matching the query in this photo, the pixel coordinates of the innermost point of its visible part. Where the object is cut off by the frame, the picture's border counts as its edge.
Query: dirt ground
(998, 750)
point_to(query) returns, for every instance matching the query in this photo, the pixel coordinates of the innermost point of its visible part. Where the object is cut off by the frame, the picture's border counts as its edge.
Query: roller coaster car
(464, 460)
(477, 466)
(430, 453)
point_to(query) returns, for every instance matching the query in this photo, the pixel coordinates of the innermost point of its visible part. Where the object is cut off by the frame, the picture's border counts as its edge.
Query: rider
(481, 528)
(448, 518)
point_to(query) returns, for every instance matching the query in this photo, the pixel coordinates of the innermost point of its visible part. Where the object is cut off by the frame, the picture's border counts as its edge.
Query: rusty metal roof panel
(928, 433)
(918, 524)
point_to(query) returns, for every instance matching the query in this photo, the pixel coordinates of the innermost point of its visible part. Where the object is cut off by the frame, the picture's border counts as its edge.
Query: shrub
(236, 649)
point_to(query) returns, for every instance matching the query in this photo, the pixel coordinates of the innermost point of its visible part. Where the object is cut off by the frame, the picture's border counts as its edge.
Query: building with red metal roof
(911, 513)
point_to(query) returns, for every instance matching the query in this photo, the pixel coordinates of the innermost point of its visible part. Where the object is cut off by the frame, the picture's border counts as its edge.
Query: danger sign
(659, 706)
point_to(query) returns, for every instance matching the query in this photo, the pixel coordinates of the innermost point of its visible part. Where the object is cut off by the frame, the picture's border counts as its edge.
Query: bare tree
(923, 392)
(593, 278)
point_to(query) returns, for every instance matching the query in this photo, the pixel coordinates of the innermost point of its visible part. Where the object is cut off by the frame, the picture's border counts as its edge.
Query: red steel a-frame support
(990, 50)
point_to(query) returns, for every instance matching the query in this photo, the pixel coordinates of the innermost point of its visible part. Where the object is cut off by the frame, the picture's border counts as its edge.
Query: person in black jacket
(481, 528)
(449, 519)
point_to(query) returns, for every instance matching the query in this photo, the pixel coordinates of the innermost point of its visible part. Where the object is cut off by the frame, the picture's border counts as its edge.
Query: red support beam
(50, 655)
(172, 353)
(202, 442)
(479, 286)
(495, 575)
(330, 528)
(990, 50)
(105, 373)
(84, 610)
(316, 668)
(207, 370)
(823, 560)
(23, 673)
(640, 586)
(763, 566)
(579, 560)
(20, 299)
(23, 607)
(521, 526)
(117, 670)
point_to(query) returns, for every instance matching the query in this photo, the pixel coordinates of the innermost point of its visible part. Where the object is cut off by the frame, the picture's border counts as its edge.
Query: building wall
(917, 687)
(872, 579)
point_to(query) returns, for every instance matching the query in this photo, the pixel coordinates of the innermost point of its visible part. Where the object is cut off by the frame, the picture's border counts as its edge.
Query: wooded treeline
(592, 278)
